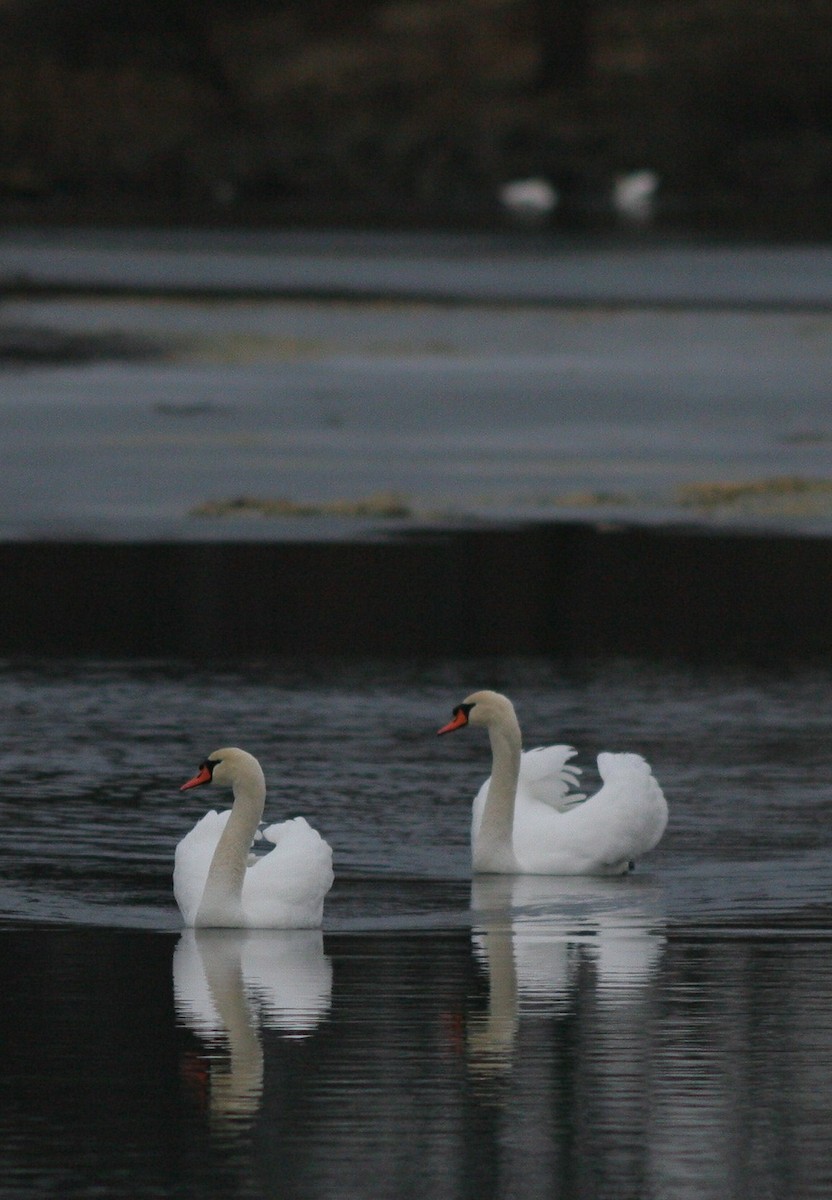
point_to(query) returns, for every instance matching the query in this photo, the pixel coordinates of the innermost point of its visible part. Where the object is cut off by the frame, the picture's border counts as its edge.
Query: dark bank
(565, 590)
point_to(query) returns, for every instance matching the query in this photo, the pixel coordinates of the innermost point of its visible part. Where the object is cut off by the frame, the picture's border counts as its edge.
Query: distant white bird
(529, 201)
(634, 195)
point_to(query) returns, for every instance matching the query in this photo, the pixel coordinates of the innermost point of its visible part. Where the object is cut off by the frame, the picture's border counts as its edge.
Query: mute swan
(525, 819)
(634, 196)
(217, 883)
(530, 201)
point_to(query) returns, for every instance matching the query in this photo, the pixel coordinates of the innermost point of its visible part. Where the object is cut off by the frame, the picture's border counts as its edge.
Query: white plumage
(529, 200)
(217, 881)
(527, 820)
(634, 195)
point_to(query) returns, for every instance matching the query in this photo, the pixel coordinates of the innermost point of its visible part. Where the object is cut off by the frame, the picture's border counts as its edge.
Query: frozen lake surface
(667, 1034)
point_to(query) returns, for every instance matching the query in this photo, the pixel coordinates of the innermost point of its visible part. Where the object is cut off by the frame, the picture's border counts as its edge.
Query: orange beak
(204, 776)
(460, 719)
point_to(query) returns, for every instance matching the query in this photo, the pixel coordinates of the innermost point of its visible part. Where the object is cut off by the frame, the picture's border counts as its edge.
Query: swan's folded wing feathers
(191, 860)
(295, 833)
(610, 765)
(207, 829)
(571, 801)
(635, 803)
(548, 777)
(301, 860)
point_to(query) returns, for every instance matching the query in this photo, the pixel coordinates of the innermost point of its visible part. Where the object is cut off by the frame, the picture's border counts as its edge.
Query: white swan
(217, 883)
(529, 201)
(525, 819)
(634, 196)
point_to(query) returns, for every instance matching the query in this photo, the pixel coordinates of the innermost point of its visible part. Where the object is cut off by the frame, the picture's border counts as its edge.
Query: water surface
(668, 1034)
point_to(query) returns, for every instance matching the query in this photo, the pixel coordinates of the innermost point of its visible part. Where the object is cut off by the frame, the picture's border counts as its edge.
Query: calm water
(664, 1035)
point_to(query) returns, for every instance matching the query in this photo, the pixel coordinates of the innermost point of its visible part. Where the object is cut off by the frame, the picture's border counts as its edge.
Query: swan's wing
(192, 860)
(288, 885)
(619, 823)
(611, 766)
(546, 776)
(634, 807)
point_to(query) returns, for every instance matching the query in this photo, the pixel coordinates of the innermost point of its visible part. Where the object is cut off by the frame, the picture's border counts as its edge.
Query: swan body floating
(527, 821)
(217, 882)
(634, 196)
(529, 201)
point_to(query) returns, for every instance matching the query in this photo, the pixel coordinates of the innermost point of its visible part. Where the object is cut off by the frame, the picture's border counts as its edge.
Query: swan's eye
(209, 765)
(464, 709)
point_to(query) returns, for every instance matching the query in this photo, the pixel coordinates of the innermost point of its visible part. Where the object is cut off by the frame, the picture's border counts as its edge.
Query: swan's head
(481, 708)
(225, 767)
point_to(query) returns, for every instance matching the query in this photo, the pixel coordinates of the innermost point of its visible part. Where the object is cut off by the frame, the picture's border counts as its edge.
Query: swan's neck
(222, 899)
(493, 846)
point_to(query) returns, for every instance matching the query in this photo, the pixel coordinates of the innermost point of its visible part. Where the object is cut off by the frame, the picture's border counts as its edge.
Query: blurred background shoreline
(711, 118)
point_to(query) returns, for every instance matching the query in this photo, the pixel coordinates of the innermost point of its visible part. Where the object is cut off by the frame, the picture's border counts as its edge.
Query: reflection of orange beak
(196, 1071)
(459, 720)
(204, 776)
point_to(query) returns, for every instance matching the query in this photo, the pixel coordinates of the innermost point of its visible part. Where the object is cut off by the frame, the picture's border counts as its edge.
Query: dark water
(664, 1035)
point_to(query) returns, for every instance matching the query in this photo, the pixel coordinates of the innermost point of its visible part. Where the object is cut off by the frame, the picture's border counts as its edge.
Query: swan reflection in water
(230, 983)
(534, 935)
